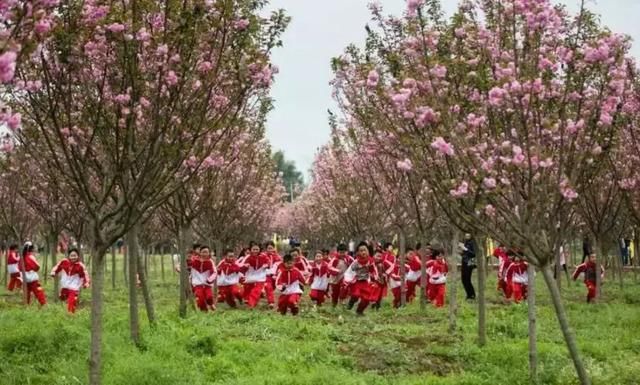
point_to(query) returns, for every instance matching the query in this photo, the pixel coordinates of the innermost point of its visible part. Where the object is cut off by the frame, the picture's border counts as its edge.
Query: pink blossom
(606, 119)
(116, 27)
(409, 83)
(573, 127)
(14, 121)
(144, 102)
(489, 183)
(241, 24)
(413, 5)
(171, 78)
(567, 192)
(42, 26)
(162, 50)
(143, 35)
(7, 66)
(439, 71)
(496, 96)
(122, 98)
(546, 163)
(460, 32)
(460, 191)
(372, 79)
(426, 116)
(204, 66)
(404, 165)
(490, 210)
(442, 146)
(6, 146)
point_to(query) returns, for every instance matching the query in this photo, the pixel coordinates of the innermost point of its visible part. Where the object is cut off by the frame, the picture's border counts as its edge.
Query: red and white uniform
(589, 270)
(229, 272)
(337, 267)
(73, 276)
(255, 270)
(203, 275)
(438, 271)
(13, 269)
(275, 259)
(290, 282)
(31, 268)
(319, 281)
(302, 264)
(413, 275)
(389, 257)
(395, 282)
(359, 277)
(518, 277)
(503, 264)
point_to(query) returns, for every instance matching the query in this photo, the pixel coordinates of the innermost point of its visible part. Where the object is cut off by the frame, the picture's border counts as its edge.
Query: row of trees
(512, 120)
(138, 119)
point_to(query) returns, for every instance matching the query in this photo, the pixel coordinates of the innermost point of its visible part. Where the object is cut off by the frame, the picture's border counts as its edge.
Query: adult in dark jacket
(468, 264)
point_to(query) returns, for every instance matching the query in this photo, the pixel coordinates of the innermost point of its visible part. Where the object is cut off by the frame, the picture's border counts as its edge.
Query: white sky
(321, 29)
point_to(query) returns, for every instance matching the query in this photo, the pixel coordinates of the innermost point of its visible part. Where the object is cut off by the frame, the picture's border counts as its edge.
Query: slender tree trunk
(162, 265)
(45, 262)
(482, 306)
(132, 251)
(25, 290)
(185, 240)
(146, 294)
(125, 269)
(423, 281)
(533, 348)
(53, 241)
(557, 272)
(599, 257)
(217, 258)
(403, 270)
(113, 267)
(97, 302)
(620, 265)
(453, 283)
(146, 261)
(635, 261)
(569, 337)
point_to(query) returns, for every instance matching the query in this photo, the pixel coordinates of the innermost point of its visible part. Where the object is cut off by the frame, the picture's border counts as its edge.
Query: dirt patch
(405, 361)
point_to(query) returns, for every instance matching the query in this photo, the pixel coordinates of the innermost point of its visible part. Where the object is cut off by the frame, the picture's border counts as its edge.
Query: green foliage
(291, 176)
(328, 346)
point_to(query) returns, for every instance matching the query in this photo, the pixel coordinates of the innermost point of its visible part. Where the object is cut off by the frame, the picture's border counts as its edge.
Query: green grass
(405, 347)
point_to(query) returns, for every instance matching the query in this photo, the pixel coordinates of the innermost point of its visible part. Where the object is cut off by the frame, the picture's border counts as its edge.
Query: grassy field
(48, 346)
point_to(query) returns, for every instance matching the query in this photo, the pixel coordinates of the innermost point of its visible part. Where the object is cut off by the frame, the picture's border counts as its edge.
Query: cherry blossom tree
(509, 109)
(128, 100)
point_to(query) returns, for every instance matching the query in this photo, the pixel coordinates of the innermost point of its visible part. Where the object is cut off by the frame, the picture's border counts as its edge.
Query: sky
(321, 29)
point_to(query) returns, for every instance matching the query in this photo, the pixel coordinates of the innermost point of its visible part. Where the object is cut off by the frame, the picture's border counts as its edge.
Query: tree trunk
(557, 272)
(53, 238)
(533, 348)
(599, 257)
(423, 281)
(125, 269)
(146, 293)
(453, 273)
(185, 240)
(162, 265)
(569, 337)
(25, 290)
(146, 262)
(620, 264)
(45, 263)
(113, 267)
(97, 302)
(132, 251)
(403, 270)
(217, 258)
(482, 306)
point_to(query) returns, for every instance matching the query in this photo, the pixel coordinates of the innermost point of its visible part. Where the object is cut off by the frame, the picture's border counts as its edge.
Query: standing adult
(468, 264)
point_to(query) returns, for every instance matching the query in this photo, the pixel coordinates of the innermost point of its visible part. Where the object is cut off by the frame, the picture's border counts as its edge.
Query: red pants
(505, 287)
(15, 282)
(288, 301)
(519, 291)
(229, 294)
(37, 290)
(269, 286)
(360, 291)
(318, 296)
(338, 293)
(411, 290)
(397, 292)
(437, 293)
(71, 296)
(252, 293)
(204, 297)
(591, 290)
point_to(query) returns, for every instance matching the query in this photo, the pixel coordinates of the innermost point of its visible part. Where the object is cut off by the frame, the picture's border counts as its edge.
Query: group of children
(23, 270)
(513, 275)
(259, 272)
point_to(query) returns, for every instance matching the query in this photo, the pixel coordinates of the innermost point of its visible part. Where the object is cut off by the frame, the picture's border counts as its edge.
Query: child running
(438, 271)
(203, 274)
(228, 279)
(13, 268)
(73, 277)
(359, 276)
(255, 269)
(517, 276)
(337, 267)
(289, 281)
(319, 279)
(589, 269)
(31, 268)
